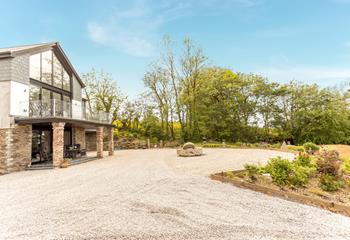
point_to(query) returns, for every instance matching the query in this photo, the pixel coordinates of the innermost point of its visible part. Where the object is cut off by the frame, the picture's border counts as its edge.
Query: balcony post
(99, 142)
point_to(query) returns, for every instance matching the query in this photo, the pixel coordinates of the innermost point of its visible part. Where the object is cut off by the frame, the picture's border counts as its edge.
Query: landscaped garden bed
(316, 177)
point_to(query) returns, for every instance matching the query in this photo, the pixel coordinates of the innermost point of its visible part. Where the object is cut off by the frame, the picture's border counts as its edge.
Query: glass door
(41, 146)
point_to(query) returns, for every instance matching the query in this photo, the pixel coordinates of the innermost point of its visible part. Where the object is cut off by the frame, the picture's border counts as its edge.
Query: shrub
(299, 175)
(311, 147)
(296, 148)
(229, 174)
(304, 160)
(251, 170)
(346, 165)
(284, 172)
(330, 183)
(328, 162)
(280, 170)
(276, 145)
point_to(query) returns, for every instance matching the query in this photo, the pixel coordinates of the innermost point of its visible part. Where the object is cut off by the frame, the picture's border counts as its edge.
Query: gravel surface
(152, 194)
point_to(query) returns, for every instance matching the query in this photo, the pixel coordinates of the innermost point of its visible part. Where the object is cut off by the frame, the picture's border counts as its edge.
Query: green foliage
(186, 99)
(299, 175)
(304, 160)
(284, 172)
(311, 147)
(296, 148)
(251, 170)
(229, 174)
(346, 165)
(276, 145)
(280, 170)
(330, 183)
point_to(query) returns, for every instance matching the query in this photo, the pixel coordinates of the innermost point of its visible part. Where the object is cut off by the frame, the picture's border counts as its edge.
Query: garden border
(324, 204)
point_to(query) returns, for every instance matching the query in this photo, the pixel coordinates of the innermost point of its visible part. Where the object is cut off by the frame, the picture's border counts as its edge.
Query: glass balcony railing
(64, 109)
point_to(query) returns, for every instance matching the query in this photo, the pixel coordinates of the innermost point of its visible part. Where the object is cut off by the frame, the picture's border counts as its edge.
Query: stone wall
(15, 148)
(79, 137)
(90, 138)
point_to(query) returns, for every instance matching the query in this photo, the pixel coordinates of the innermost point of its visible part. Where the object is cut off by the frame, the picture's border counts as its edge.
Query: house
(42, 112)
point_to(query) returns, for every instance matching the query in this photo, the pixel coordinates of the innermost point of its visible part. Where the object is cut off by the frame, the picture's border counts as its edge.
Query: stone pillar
(111, 142)
(58, 143)
(99, 141)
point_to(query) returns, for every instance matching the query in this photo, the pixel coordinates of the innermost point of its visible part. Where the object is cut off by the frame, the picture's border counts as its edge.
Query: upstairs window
(34, 70)
(46, 67)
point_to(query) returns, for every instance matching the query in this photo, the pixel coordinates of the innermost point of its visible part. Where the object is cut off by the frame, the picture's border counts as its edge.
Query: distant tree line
(189, 99)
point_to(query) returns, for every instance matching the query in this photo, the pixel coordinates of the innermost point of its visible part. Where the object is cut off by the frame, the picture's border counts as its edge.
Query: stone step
(82, 160)
(71, 163)
(39, 167)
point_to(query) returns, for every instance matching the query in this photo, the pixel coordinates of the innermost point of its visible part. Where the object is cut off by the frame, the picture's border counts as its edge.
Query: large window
(34, 70)
(46, 67)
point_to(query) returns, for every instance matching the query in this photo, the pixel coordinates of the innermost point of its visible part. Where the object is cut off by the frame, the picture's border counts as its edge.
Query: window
(47, 68)
(34, 70)
(66, 81)
(34, 93)
(57, 72)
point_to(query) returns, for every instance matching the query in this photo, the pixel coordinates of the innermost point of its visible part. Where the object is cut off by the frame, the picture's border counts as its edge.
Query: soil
(344, 150)
(312, 189)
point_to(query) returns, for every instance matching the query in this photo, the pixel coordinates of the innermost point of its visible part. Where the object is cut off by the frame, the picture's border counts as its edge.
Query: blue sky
(304, 40)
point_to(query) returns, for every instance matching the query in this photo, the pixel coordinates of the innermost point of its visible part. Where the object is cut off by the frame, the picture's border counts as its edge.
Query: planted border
(324, 204)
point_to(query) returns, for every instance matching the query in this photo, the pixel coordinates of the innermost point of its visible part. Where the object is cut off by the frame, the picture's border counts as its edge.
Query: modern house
(42, 112)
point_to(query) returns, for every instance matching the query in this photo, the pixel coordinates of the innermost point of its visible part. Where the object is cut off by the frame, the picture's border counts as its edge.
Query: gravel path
(151, 194)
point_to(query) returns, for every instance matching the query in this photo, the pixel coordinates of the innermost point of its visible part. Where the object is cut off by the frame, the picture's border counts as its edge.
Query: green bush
(304, 160)
(284, 172)
(310, 147)
(229, 174)
(300, 175)
(276, 145)
(330, 183)
(251, 170)
(346, 165)
(280, 170)
(296, 148)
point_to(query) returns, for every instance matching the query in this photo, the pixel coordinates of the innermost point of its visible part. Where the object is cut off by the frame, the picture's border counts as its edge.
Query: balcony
(53, 108)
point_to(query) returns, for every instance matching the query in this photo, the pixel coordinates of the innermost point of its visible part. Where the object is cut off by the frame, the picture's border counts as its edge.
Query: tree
(102, 93)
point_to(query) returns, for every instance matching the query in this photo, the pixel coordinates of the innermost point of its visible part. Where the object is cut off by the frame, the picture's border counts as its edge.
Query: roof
(11, 52)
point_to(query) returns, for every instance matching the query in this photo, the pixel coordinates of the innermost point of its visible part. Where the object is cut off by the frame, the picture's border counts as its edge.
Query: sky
(283, 40)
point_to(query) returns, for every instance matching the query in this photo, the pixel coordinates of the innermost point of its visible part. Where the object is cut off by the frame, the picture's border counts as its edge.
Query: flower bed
(317, 179)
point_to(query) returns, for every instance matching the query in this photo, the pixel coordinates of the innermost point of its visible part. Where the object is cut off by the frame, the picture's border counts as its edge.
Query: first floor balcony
(54, 108)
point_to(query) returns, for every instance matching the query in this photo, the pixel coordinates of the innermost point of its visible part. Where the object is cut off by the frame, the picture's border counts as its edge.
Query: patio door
(41, 145)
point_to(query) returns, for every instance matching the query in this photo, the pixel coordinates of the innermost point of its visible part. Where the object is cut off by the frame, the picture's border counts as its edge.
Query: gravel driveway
(151, 194)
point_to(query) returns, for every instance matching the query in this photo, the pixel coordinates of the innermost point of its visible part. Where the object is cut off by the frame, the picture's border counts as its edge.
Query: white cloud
(321, 76)
(135, 30)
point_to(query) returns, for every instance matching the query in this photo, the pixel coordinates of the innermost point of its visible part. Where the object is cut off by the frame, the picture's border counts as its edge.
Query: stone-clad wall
(15, 148)
(91, 141)
(79, 137)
